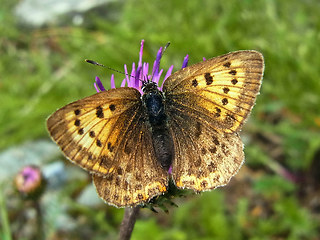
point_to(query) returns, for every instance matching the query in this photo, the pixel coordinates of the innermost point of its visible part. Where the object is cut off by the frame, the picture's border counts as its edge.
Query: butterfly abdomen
(163, 147)
(161, 136)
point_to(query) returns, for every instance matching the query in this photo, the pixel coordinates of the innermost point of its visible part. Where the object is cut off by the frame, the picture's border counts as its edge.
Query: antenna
(110, 68)
(101, 65)
(165, 47)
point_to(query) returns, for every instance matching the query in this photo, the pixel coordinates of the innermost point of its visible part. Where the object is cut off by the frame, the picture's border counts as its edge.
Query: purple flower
(29, 181)
(141, 73)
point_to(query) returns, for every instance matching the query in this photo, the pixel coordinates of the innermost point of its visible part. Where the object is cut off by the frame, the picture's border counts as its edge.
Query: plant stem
(5, 231)
(40, 232)
(128, 221)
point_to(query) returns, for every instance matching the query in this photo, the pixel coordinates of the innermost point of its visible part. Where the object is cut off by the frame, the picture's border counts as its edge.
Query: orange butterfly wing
(207, 104)
(106, 134)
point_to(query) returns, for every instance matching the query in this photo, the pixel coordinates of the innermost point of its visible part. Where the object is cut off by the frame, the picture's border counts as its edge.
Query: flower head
(140, 73)
(29, 181)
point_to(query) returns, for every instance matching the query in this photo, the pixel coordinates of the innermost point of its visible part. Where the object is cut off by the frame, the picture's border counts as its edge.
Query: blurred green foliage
(43, 69)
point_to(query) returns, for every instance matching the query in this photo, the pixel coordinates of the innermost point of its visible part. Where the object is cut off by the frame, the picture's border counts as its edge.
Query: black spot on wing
(227, 64)
(77, 122)
(224, 101)
(92, 134)
(194, 82)
(233, 72)
(99, 112)
(112, 107)
(218, 112)
(98, 143)
(80, 131)
(226, 90)
(234, 81)
(209, 78)
(110, 147)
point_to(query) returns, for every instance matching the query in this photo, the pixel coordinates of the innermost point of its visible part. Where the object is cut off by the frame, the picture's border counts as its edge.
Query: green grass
(43, 69)
(5, 225)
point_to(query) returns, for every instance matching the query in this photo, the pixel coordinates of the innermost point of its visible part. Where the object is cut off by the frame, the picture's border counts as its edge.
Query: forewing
(220, 91)
(106, 134)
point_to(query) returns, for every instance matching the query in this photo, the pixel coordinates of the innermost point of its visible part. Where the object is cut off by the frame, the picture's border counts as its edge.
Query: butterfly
(134, 143)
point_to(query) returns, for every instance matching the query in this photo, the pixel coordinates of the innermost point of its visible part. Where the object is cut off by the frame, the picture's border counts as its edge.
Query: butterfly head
(149, 86)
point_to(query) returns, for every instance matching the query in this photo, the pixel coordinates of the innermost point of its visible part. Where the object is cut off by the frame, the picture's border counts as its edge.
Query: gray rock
(40, 12)
(36, 153)
(89, 197)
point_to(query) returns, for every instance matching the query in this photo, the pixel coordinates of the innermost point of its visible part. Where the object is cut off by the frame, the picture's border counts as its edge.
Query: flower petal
(185, 61)
(140, 73)
(156, 65)
(113, 85)
(100, 85)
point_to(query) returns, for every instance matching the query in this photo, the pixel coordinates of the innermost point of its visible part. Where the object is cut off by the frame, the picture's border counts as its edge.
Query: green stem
(6, 233)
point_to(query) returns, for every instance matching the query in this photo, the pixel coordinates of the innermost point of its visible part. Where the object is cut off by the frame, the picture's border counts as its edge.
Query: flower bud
(30, 182)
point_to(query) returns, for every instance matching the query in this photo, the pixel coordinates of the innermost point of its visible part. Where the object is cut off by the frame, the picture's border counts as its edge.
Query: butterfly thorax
(154, 103)
(153, 100)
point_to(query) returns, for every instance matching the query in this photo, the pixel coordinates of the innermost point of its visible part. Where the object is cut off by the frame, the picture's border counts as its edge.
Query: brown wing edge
(99, 182)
